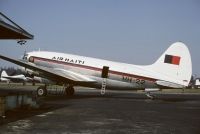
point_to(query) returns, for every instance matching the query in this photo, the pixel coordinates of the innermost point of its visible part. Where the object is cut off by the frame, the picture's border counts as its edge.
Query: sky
(130, 31)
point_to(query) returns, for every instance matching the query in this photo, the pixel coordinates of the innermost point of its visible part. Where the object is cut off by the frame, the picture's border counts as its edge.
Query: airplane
(4, 79)
(173, 69)
(22, 78)
(16, 78)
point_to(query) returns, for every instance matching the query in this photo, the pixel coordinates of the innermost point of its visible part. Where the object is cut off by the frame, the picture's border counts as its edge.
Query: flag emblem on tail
(171, 59)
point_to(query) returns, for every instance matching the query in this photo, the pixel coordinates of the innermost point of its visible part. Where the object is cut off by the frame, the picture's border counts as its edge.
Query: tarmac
(89, 112)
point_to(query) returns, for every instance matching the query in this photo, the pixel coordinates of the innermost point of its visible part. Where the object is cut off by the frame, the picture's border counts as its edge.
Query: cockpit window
(25, 57)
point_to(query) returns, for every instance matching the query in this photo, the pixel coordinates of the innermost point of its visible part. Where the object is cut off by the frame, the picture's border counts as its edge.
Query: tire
(41, 91)
(69, 91)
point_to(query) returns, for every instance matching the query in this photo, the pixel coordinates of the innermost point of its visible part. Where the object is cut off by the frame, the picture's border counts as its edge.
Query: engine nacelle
(28, 72)
(42, 80)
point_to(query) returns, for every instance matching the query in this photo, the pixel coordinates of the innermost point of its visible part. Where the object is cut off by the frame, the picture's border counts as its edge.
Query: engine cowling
(42, 80)
(26, 71)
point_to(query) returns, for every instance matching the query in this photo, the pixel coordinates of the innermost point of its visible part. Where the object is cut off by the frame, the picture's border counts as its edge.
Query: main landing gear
(67, 90)
(42, 91)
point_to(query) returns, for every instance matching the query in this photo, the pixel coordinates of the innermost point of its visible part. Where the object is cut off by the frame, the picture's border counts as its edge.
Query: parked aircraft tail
(3, 74)
(175, 64)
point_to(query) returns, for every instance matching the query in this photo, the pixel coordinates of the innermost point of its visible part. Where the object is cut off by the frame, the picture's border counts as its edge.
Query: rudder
(4, 74)
(175, 63)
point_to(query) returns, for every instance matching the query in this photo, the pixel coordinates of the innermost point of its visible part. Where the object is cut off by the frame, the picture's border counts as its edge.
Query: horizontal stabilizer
(168, 84)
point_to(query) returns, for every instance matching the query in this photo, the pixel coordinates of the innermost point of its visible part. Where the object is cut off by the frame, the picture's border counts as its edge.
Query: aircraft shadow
(163, 97)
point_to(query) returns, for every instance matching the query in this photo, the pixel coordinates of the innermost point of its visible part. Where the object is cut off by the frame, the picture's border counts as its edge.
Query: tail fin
(3, 74)
(175, 63)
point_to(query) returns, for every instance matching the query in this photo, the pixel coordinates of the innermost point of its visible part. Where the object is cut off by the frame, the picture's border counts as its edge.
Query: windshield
(25, 57)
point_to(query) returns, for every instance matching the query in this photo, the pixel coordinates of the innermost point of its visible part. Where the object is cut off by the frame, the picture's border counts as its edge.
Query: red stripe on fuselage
(95, 69)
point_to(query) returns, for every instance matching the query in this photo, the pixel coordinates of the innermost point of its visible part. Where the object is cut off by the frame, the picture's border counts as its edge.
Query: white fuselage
(120, 75)
(173, 69)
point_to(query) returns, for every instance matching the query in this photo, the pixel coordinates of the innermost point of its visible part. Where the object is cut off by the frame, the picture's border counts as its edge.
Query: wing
(54, 74)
